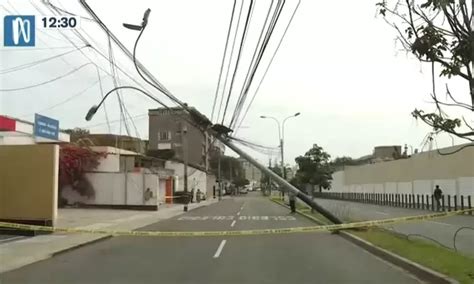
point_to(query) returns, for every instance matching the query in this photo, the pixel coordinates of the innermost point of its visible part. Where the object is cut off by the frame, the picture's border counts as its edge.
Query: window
(164, 136)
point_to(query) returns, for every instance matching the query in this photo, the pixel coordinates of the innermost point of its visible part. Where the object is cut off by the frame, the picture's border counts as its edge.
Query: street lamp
(281, 137)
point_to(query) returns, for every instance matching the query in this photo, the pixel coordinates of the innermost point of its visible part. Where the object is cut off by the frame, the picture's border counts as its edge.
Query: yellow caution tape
(309, 229)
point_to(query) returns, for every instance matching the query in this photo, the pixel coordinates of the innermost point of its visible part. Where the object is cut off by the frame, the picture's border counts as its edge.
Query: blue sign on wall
(46, 127)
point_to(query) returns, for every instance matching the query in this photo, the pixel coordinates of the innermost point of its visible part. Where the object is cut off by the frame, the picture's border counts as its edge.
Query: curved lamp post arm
(94, 108)
(278, 124)
(283, 124)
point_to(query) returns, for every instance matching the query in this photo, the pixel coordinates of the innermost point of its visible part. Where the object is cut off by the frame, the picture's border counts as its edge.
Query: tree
(76, 133)
(314, 168)
(439, 32)
(230, 167)
(266, 179)
(74, 161)
(343, 161)
(240, 181)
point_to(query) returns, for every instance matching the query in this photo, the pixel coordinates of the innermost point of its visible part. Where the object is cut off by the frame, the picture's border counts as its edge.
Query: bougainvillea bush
(74, 162)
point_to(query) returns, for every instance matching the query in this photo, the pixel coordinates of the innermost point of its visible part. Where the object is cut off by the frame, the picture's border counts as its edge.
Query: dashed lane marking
(219, 249)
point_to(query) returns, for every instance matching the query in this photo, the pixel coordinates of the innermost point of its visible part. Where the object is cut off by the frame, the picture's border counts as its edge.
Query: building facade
(252, 173)
(166, 127)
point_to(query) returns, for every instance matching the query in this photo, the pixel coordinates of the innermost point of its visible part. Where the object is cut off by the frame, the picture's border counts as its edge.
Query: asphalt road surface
(288, 258)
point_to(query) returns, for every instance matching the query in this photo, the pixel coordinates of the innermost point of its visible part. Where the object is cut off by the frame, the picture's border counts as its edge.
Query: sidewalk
(441, 230)
(19, 253)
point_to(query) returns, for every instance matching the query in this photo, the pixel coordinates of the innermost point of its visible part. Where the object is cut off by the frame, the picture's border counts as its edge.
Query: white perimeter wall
(118, 189)
(197, 179)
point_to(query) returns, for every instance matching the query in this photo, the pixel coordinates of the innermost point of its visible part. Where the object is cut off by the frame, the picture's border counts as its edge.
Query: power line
(269, 64)
(157, 86)
(64, 101)
(114, 121)
(114, 79)
(230, 60)
(242, 42)
(35, 48)
(223, 59)
(48, 81)
(34, 63)
(65, 37)
(47, 2)
(253, 69)
(102, 95)
(111, 61)
(40, 30)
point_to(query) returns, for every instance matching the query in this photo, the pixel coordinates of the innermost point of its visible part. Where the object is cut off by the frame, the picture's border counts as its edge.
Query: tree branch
(467, 124)
(448, 92)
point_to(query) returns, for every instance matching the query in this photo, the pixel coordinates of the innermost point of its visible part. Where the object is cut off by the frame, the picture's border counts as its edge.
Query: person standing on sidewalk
(438, 194)
(292, 198)
(198, 195)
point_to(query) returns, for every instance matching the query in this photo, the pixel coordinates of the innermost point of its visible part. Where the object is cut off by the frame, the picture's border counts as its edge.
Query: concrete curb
(420, 271)
(103, 238)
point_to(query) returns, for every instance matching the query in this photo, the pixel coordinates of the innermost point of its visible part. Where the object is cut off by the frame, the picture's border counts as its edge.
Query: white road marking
(233, 223)
(219, 249)
(238, 213)
(11, 239)
(382, 213)
(441, 223)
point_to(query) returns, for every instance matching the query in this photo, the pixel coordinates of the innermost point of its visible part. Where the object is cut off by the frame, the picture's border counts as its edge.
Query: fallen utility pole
(280, 181)
(205, 125)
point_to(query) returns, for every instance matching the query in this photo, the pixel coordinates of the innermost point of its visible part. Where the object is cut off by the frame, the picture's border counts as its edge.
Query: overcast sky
(338, 65)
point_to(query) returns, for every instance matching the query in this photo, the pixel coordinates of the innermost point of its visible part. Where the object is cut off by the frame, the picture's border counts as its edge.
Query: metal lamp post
(281, 137)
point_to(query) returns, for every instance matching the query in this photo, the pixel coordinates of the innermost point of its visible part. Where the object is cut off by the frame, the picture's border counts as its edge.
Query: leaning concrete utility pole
(280, 181)
(205, 124)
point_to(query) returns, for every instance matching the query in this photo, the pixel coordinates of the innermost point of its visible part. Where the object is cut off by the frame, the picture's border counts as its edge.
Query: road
(442, 230)
(291, 258)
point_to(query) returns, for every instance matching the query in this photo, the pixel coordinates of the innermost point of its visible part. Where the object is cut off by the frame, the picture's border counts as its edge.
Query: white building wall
(162, 191)
(405, 188)
(110, 164)
(18, 140)
(110, 189)
(197, 179)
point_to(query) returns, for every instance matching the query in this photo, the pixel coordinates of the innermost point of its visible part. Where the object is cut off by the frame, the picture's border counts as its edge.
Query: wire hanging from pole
(258, 49)
(223, 59)
(268, 66)
(230, 61)
(242, 42)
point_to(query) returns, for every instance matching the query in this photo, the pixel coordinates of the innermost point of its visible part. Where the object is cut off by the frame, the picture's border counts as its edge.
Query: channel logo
(19, 31)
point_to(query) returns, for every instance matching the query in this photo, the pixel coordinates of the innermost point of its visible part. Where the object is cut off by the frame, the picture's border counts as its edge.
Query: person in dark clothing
(198, 195)
(438, 194)
(192, 195)
(292, 198)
